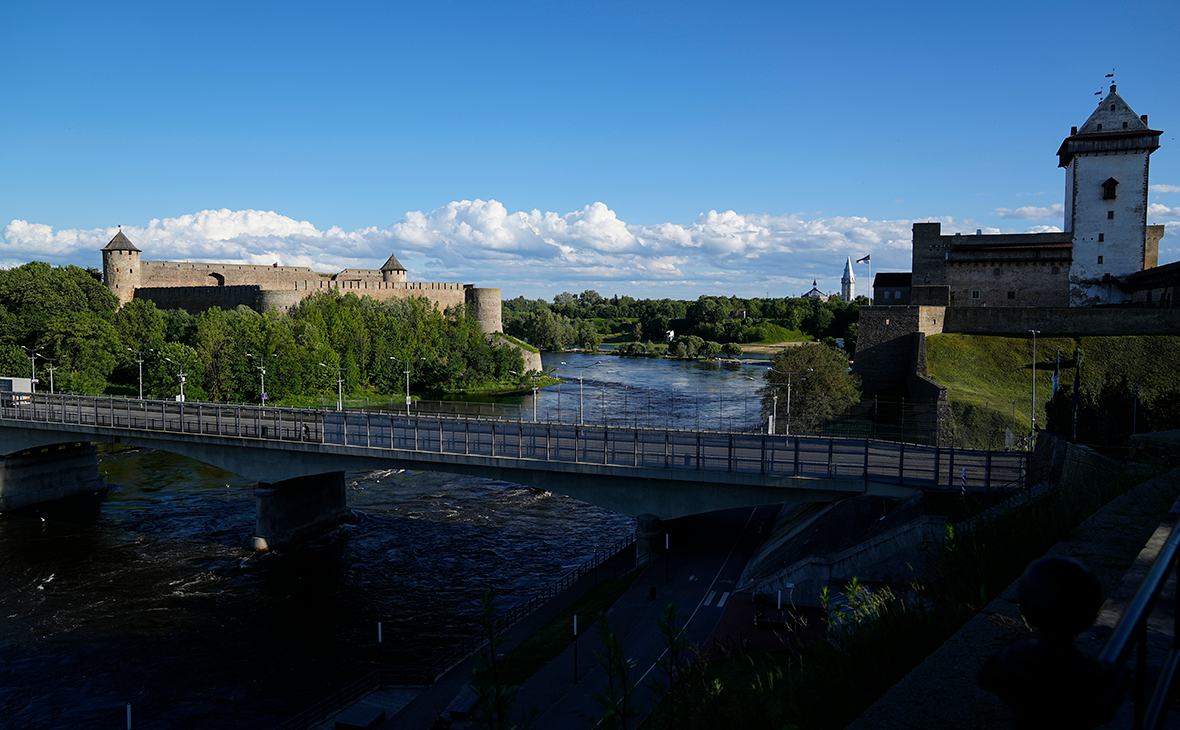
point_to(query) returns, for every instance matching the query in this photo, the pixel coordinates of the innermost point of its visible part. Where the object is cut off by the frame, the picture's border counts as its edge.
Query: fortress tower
(392, 270)
(121, 269)
(1106, 169)
(848, 283)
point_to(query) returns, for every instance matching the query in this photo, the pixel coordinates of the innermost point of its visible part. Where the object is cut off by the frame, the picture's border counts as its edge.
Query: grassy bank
(989, 378)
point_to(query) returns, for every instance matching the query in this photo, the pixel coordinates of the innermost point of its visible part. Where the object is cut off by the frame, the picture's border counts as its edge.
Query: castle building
(1100, 256)
(199, 286)
(848, 283)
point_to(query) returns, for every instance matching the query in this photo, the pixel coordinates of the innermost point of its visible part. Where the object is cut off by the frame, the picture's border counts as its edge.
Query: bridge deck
(755, 454)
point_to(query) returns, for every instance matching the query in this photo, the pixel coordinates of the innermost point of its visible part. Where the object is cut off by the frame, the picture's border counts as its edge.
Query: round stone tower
(484, 306)
(392, 270)
(121, 267)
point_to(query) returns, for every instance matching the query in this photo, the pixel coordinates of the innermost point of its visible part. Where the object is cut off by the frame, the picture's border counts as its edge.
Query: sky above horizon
(650, 149)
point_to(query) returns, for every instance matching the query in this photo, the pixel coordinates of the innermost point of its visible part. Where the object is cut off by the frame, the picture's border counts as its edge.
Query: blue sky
(651, 149)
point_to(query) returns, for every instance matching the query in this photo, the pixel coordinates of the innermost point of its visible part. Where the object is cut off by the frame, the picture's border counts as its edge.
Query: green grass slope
(989, 378)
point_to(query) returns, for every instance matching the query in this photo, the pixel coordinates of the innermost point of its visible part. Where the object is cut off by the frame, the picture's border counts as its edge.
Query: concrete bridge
(298, 458)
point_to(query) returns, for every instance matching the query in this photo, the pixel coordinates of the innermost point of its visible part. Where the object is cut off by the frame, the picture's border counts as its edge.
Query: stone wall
(1099, 321)
(178, 273)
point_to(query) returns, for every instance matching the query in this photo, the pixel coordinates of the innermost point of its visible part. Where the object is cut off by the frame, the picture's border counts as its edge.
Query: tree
(820, 386)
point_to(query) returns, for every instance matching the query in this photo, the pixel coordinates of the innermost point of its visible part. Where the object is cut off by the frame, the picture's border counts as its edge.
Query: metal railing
(426, 675)
(1131, 635)
(818, 457)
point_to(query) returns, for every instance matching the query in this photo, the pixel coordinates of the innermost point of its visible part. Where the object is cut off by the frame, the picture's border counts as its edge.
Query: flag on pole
(1057, 372)
(865, 260)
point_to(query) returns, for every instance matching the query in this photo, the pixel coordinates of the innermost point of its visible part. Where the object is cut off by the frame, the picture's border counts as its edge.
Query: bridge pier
(48, 473)
(649, 542)
(291, 510)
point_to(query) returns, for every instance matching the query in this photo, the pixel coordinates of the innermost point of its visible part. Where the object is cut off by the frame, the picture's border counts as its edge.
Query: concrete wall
(292, 510)
(48, 473)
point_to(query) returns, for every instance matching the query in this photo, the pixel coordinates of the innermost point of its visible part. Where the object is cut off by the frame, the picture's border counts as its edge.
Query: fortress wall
(1034, 284)
(175, 273)
(200, 298)
(1098, 321)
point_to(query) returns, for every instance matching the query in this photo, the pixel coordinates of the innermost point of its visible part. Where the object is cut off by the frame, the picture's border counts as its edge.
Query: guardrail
(427, 674)
(820, 457)
(1131, 635)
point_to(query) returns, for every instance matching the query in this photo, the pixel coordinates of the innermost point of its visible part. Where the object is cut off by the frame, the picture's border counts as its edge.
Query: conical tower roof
(848, 275)
(1112, 128)
(393, 264)
(120, 243)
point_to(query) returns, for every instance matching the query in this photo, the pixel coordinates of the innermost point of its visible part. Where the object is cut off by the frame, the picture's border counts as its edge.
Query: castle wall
(200, 298)
(484, 306)
(1001, 283)
(1100, 321)
(183, 273)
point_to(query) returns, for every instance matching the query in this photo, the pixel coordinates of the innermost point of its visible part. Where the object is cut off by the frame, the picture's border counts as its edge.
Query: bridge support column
(649, 539)
(48, 473)
(291, 510)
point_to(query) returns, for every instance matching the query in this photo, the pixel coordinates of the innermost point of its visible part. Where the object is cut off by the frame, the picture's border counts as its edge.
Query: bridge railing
(817, 457)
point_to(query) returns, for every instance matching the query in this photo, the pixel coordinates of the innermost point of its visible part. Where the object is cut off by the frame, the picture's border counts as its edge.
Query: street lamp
(139, 359)
(581, 420)
(51, 369)
(407, 364)
(339, 384)
(261, 372)
(34, 353)
(1033, 428)
(790, 376)
(181, 374)
(534, 375)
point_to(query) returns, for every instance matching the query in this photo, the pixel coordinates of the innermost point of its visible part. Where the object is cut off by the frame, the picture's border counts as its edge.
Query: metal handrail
(1131, 635)
(771, 455)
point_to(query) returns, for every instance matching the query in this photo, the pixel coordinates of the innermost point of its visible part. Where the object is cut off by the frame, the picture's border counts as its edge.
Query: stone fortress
(1100, 276)
(198, 286)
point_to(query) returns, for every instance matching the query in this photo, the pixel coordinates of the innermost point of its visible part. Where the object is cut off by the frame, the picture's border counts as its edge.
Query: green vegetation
(877, 637)
(588, 319)
(821, 388)
(69, 318)
(989, 384)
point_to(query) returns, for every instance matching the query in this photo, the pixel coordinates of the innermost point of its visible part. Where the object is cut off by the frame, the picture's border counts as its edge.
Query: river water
(152, 596)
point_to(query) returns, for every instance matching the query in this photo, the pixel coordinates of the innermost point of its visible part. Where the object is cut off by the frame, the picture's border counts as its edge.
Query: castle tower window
(1108, 189)
(897, 295)
(1011, 295)
(995, 272)
(1099, 127)
(1101, 237)
(1055, 270)
(886, 296)
(1099, 259)
(974, 293)
(1110, 215)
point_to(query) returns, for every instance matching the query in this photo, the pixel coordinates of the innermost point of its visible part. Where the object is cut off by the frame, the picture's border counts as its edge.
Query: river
(152, 596)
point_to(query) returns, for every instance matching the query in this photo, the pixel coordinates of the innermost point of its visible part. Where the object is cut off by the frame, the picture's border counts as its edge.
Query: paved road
(708, 556)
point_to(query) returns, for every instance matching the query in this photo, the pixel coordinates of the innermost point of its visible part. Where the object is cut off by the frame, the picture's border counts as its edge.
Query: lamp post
(139, 359)
(581, 420)
(51, 368)
(407, 364)
(34, 353)
(790, 376)
(339, 384)
(261, 372)
(534, 375)
(180, 372)
(1033, 427)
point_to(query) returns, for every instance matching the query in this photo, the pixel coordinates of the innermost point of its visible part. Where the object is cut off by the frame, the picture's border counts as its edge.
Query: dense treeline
(582, 320)
(76, 326)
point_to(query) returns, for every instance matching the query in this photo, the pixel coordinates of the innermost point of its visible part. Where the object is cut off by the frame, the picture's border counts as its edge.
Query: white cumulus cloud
(1164, 188)
(1031, 212)
(531, 253)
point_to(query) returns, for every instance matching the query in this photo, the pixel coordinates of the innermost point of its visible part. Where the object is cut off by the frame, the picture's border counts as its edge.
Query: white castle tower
(1106, 167)
(848, 283)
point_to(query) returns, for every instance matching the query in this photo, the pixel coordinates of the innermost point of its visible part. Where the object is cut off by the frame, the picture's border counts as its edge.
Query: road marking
(709, 598)
(724, 597)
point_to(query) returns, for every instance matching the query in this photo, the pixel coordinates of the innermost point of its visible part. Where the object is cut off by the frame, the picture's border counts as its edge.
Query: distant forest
(703, 327)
